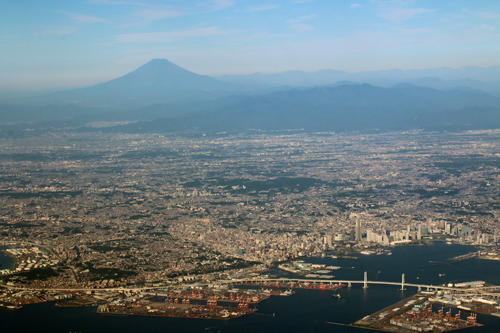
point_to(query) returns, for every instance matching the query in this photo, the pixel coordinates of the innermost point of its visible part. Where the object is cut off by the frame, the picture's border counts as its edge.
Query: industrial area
(417, 314)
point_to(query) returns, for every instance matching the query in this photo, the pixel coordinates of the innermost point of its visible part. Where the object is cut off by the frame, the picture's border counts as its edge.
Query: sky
(51, 44)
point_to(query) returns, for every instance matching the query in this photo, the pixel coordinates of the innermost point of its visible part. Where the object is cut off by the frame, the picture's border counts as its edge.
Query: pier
(466, 256)
(415, 313)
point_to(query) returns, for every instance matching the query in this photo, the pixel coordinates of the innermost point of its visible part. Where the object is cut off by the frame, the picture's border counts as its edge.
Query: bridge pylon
(403, 283)
(365, 282)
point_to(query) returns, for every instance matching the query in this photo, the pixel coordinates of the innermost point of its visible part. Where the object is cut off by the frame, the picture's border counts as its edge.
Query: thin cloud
(298, 26)
(302, 19)
(356, 5)
(482, 15)
(261, 8)
(222, 4)
(59, 31)
(157, 15)
(398, 15)
(301, 27)
(112, 2)
(169, 36)
(83, 18)
(393, 2)
(486, 28)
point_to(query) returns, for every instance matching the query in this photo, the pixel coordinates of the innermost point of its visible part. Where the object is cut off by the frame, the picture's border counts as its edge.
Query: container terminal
(178, 309)
(209, 303)
(418, 314)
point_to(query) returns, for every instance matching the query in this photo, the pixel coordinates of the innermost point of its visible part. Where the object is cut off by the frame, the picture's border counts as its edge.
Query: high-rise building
(328, 240)
(357, 237)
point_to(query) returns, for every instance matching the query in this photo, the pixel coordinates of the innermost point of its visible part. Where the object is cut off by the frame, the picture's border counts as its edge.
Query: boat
(337, 286)
(336, 296)
(288, 292)
(442, 274)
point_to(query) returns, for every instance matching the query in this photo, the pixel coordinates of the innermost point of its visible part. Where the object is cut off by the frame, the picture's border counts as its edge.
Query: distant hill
(467, 118)
(382, 77)
(80, 115)
(342, 108)
(31, 114)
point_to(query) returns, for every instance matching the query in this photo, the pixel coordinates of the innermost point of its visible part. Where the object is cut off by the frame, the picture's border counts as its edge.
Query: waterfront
(306, 311)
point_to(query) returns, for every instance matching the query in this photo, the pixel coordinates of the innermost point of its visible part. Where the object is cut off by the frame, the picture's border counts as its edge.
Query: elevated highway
(290, 283)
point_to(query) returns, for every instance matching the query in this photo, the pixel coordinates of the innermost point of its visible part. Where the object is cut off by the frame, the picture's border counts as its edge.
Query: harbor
(159, 309)
(309, 308)
(210, 302)
(417, 314)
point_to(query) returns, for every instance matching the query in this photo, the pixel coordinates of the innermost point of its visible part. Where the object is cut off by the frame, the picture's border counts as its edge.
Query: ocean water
(6, 261)
(306, 311)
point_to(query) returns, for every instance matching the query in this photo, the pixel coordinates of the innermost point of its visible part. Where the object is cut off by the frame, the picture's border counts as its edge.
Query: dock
(465, 256)
(416, 313)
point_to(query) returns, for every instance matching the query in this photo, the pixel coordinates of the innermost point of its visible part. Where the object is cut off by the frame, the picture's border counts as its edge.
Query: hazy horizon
(69, 87)
(64, 44)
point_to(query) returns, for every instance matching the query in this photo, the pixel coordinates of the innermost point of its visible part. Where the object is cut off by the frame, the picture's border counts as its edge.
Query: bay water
(306, 311)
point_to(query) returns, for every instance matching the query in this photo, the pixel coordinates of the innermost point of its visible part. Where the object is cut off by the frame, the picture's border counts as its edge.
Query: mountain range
(341, 108)
(163, 97)
(481, 78)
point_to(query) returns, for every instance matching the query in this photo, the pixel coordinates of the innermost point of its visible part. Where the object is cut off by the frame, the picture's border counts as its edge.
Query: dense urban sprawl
(105, 210)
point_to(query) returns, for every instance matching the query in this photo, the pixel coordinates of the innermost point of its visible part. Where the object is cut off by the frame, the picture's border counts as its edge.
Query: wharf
(158, 309)
(415, 313)
(79, 301)
(231, 296)
(465, 256)
(216, 303)
(366, 320)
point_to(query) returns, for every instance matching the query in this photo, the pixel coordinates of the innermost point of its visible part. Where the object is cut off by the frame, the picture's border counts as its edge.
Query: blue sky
(69, 43)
